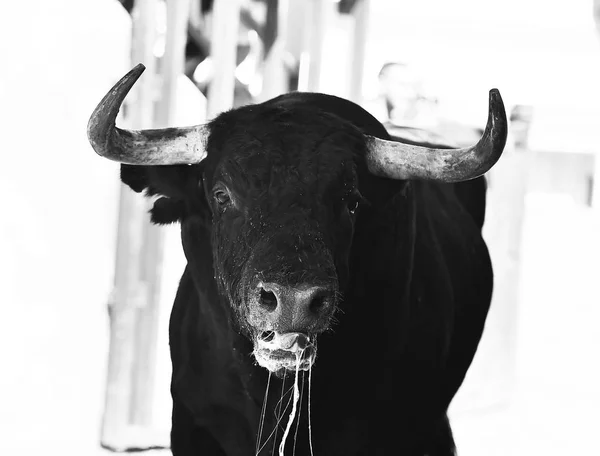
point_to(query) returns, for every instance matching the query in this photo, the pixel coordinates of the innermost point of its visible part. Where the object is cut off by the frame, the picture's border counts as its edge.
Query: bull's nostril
(267, 336)
(268, 299)
(318, 303)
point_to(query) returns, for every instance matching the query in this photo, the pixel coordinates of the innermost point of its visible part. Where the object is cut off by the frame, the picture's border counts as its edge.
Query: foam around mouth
(289, 351)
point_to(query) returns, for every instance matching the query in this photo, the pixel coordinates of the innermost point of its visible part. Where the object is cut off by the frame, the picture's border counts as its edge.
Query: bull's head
(280, 185)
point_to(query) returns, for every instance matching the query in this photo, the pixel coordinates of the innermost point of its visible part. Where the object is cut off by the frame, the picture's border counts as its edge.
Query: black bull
(290, 238)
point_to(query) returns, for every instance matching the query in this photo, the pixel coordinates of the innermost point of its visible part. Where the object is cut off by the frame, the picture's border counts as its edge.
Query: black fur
(409, 267)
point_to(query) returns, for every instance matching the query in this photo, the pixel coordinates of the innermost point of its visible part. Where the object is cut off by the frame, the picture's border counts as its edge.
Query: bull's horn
(402, 161)
(168, 146)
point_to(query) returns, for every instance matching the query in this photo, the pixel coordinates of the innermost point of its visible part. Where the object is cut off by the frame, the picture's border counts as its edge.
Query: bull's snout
(304, 308)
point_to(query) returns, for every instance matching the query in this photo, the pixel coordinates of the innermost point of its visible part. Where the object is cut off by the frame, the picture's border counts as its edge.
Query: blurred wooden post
(596, 176)
(490, 380)
(173, 61)
(311, 61)
(171, 67)
(596, 182)
(296, 32)
(129, 294)
(225, 26)
(133, 307)
(275, 76)
(359, 46)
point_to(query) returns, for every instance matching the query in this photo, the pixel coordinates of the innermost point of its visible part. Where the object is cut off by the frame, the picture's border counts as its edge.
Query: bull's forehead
(289, 156)
(289, 168)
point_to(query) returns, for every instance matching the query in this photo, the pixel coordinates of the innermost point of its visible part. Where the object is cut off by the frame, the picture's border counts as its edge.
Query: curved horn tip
(136, 70)
(497, 112)
(131, 77)
(495, 97)
(105, 111)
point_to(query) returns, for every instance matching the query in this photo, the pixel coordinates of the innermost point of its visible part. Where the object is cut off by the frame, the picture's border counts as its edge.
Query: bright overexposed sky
(536, 52)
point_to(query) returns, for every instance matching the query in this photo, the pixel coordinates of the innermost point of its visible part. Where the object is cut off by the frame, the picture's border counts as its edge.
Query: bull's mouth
(279, 353)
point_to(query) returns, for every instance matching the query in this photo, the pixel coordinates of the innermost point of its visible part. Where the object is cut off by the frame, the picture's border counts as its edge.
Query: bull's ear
(135, 177)
(172, 183)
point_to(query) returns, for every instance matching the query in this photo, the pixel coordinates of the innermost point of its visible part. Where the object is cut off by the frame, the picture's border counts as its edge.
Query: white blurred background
(533, 388)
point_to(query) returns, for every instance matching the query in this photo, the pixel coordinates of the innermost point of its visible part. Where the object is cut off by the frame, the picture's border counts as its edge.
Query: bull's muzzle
(304, 308)
(286, 320)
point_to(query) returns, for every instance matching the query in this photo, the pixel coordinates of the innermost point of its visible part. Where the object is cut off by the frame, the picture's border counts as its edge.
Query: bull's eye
(222, 197)
(353, 200)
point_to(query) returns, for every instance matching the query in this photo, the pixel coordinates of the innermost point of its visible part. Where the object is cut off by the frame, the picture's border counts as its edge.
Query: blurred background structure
(87, 283)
